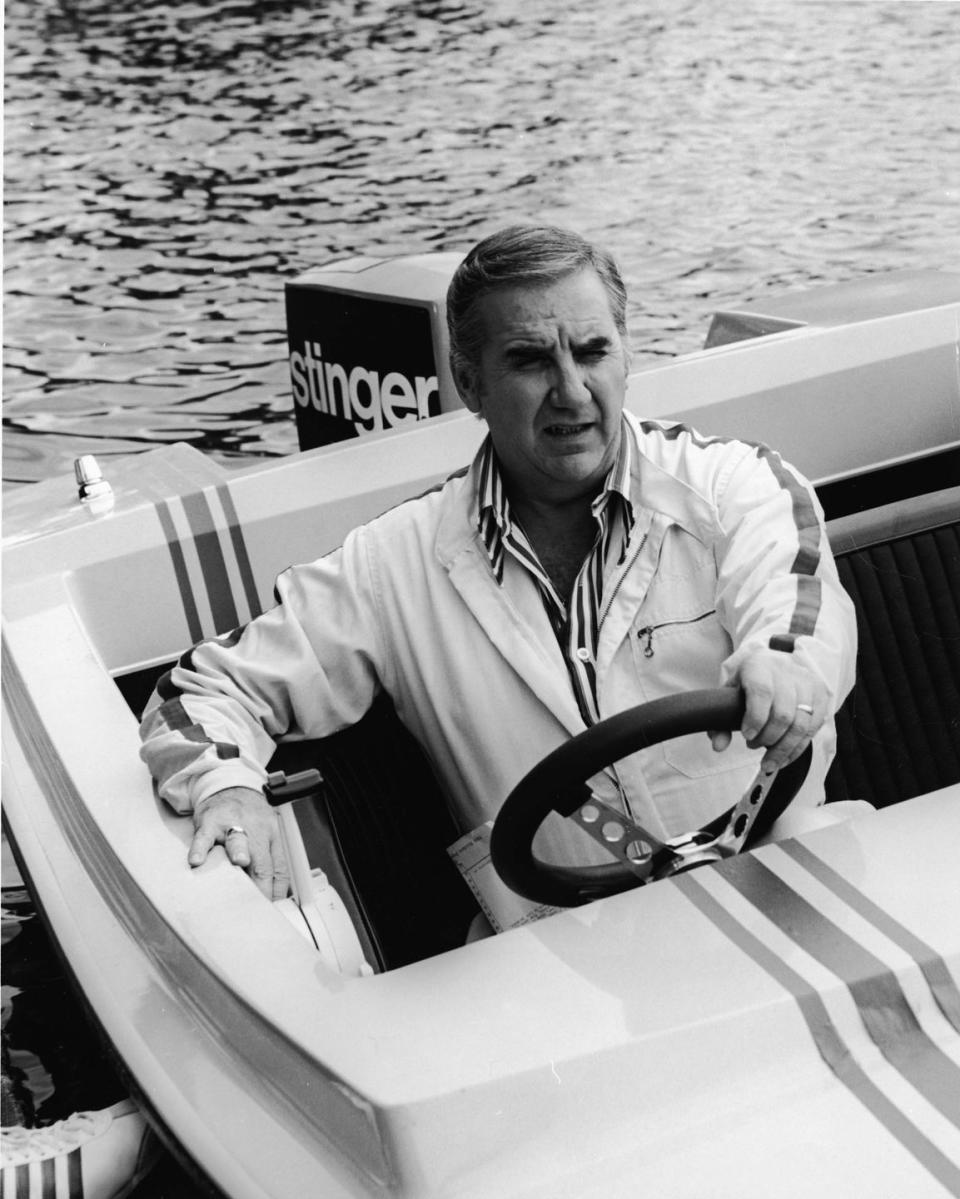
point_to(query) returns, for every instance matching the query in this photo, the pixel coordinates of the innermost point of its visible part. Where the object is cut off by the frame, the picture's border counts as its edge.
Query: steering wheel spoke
(621, 836)
(557, 784)
(744, 815)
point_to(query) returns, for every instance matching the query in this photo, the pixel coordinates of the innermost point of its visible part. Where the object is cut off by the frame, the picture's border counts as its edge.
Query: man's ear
(465, 378)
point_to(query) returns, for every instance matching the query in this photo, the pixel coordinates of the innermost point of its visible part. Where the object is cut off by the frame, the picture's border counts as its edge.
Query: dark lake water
(169, 166)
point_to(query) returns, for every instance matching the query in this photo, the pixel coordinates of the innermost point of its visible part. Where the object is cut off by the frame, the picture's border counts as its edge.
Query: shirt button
(583, 654)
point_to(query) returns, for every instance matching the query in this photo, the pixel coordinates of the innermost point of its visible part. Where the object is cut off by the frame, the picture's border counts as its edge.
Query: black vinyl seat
(899, 730)
(380, 832)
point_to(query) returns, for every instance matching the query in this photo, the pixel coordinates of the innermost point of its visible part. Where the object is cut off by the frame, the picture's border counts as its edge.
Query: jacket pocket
(646, 634)
(675, 655)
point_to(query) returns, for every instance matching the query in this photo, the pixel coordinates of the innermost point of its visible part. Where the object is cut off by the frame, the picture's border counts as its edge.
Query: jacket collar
(660, 491)
(652, 488)
(515, 621)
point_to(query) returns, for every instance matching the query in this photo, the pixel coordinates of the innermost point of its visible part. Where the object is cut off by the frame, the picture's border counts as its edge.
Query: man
(585, 562)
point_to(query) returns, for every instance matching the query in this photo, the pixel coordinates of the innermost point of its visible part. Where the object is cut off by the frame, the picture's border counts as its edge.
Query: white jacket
(727, 552)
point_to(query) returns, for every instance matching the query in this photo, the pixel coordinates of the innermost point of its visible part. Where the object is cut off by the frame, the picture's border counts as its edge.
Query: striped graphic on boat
(210, 559)
(942, 987)
(879, 1003)
(56, 1177)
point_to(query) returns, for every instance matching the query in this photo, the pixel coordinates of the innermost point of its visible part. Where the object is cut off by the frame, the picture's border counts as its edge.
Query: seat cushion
(899, 730)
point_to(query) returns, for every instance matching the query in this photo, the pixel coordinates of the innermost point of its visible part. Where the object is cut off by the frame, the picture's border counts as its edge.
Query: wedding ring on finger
(805, 708)
(235, 828)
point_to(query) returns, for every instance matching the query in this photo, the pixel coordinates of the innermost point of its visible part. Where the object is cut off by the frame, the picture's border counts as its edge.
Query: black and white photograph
(481, 599)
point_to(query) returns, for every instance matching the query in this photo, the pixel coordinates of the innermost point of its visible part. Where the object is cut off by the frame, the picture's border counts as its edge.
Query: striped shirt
(577, 624)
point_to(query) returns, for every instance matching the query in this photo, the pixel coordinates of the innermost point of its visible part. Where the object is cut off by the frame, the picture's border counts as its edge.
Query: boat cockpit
(377, 825)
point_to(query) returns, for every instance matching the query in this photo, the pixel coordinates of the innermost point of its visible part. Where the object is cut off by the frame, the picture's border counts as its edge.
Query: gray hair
(522, 255)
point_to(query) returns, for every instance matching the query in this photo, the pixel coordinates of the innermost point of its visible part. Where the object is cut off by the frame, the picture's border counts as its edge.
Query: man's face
(550, 384)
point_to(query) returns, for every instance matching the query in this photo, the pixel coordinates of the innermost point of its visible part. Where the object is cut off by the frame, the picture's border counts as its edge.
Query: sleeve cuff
(231, 774)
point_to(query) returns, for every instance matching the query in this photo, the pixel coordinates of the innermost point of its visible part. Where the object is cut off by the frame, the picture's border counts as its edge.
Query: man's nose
(569, 385)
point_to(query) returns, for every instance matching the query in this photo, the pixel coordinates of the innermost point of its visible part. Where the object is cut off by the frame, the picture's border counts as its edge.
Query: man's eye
(592, 354)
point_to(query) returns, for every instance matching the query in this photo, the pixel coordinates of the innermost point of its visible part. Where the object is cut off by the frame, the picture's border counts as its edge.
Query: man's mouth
(566, 430)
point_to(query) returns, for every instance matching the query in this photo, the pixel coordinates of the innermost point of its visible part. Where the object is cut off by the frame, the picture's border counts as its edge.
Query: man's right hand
(241, 820)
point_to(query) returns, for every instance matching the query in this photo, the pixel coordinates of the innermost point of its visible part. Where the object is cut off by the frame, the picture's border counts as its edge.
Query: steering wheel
(557, 784)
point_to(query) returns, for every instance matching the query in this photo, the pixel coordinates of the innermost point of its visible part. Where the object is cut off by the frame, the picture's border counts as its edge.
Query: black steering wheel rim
(556, 784)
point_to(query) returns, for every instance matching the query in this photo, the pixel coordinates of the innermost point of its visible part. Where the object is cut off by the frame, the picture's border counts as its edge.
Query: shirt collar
(492, 497)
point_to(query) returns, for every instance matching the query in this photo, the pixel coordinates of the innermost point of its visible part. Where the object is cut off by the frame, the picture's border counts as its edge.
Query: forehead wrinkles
(544, 316)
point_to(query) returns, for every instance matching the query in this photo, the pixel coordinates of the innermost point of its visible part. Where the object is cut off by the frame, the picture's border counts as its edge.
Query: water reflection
(168, 167)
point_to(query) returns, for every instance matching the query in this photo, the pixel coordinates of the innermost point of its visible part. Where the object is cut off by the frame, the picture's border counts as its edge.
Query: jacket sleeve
(308, 667)
(778, 584)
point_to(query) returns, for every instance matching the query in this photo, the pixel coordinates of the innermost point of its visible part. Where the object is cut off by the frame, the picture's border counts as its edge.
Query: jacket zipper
(608, 599)
(649, 630)
(607, 604)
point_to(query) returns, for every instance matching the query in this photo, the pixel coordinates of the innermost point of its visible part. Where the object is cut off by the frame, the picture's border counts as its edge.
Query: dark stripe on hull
(827, 1039)
(180, 571)
(75, 1175)
(932, 965)
(240, 549)
(882, 1005)
(212, 563)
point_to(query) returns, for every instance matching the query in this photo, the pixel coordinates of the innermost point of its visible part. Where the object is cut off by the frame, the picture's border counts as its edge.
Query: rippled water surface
(169, 166)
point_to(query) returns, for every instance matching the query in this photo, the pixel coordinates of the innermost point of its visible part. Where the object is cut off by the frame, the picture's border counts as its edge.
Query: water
(168, 166)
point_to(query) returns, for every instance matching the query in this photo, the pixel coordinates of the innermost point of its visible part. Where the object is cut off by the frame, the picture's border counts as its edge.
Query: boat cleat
(94, 492)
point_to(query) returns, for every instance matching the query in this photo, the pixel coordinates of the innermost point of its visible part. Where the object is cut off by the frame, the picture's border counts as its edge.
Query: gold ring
(804, 708)
(235, 828)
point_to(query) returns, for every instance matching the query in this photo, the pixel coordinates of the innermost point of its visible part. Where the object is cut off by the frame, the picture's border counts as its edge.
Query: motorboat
(784, 1021)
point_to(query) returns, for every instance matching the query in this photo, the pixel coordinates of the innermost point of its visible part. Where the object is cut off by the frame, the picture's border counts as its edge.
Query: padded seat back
(899, 730)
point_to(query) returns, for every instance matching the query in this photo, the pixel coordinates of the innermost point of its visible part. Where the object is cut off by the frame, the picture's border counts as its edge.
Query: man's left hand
(786, 705)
